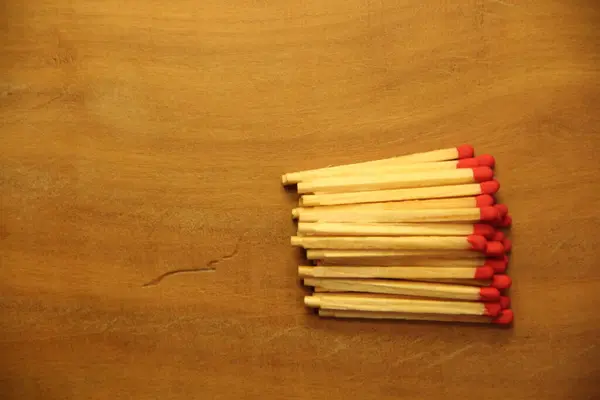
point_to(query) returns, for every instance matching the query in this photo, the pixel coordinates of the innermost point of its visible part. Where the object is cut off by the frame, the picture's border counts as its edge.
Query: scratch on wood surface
(410, 358)
(339, 346)
(281, 333)
(448, 357)
(504, 3)
(209, 267)
(557, 246)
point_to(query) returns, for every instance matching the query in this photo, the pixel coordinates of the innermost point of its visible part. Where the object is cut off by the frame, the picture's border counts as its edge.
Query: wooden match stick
(360, 302)
(499, 265)
(472, 242)
(321, 254)
(394, 168)
(499, 281)
(392, 216)
(460, 152)
(418, 289)
(378, 229)
(378, 196)
(483, 200)
(397, 181)
(505, 317)
(410, 272)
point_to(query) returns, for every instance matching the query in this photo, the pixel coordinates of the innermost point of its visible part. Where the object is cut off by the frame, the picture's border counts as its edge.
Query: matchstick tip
(284, 179)
(498, 265)
(501, 281)
(504, 301)
(489, 294)
(490, 187)
(465, 151)
(492, 309)
(467, 163)
(505, 222)
(505, 318)
(483, 174)
(483, 273)
(295, 213)
(499, 236)
(486, 160)
(477, 242)
(502, 209)
(484, 200)
(494, 248)
(488, 214)
(507, 243)
(484, 230)
(311, 301)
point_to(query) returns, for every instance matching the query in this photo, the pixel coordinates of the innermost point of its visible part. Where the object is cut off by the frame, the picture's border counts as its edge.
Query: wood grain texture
(145, 138)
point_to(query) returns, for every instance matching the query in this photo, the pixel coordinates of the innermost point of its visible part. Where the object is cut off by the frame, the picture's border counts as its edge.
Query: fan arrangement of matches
(414, 237)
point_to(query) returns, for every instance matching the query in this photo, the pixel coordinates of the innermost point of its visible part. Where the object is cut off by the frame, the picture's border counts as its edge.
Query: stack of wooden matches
(413, 237)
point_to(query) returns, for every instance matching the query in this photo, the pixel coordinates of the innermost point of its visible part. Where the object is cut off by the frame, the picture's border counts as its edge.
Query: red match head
(502, 209)
(465, 151)
(505, 222)
(483, 273)
(504, 301)
(504, 318)
(484, 200)
(489, 294)
(478, 243)
(501, 281)
(507, 243)
(494, 249)
(499, 236)
(467, 163)
(488, 214)
(483, 174)
(492, 309)
(486, 160)
(485, 230)
(490, 187)
(498, 265)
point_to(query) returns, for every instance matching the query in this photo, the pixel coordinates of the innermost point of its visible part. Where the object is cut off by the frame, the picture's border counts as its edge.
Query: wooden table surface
(142, 140)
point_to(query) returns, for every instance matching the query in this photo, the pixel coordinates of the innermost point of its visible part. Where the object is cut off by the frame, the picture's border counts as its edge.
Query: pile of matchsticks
(415, 237)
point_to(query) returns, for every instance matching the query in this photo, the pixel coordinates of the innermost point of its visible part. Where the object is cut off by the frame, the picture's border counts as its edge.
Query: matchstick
(453, 153)
(505, 317)
(375, 229)
(397, 181)
(409, 272)
(361, 302)
(378, 196)
(320, 254)
(499, 265)
(485, 160)
(483, 200)
(417, 215)
(404, 288)
(499, 281)
(472, 242)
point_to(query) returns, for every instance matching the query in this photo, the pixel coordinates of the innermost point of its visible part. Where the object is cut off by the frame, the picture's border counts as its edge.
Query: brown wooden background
(142, 137)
